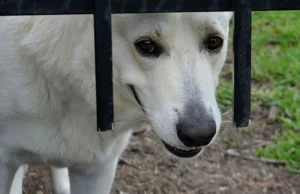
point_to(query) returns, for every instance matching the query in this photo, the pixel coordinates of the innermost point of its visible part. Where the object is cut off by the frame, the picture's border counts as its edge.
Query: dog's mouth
(182, 153)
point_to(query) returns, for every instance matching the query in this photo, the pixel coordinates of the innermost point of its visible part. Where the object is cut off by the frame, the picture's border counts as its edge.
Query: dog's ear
(225, 17)
(230, 14)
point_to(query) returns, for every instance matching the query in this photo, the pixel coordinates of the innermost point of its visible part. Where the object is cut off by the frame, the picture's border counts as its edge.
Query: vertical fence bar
(103, 67)
(242, 62)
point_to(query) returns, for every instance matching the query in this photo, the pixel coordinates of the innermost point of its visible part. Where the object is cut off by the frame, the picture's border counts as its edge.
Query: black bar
(242, 63)
(46, 7)
(57, 7)
(153, 6)
(103, 67)
(272, 5)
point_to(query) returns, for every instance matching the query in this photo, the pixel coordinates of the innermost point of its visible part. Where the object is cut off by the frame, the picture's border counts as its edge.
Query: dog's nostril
(195, 134)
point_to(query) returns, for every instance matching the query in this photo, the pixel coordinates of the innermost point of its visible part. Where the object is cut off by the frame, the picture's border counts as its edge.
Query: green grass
(276, 72)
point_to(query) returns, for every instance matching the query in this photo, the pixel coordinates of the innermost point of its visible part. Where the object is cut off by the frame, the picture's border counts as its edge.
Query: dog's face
(173, 61)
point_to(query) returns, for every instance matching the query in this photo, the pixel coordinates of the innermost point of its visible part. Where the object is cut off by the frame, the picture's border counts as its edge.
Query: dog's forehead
(156, 19)
(204, 17)
(137, 19)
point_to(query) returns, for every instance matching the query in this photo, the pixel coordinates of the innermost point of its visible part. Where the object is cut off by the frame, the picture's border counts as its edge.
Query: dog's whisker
(139, 113)
(224, 88)
(135, 102)
(225, 122)
(137, 121)
(227, 112)
(145, 117)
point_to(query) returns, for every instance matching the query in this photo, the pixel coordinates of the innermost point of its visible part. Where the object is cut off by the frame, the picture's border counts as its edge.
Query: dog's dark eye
(214, 42)
(148, 47)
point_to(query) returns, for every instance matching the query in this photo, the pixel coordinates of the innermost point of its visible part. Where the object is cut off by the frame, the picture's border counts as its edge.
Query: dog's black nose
(196, 132)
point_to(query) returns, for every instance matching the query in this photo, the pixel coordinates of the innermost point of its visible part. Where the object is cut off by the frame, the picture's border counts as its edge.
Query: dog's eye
(148, 47)
(214, 43)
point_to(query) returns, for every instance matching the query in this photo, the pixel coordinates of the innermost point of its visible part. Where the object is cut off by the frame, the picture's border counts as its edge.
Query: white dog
(170, 63)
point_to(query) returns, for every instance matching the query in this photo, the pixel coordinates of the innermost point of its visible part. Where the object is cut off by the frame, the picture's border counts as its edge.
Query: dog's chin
(181, 152)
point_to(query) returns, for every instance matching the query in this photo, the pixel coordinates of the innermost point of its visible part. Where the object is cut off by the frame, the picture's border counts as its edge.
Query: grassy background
(275, 75)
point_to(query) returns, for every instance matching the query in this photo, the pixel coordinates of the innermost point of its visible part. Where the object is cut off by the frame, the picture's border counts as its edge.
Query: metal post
(242, 62)
(103, 68)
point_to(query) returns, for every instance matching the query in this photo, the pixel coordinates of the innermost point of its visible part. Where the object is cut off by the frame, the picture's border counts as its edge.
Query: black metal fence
(102, 10)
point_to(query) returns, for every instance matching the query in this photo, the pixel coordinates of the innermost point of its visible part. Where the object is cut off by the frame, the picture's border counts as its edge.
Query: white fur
(47, 91)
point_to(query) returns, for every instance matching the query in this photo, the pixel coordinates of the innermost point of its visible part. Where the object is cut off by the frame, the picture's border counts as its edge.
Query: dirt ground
(147, 168)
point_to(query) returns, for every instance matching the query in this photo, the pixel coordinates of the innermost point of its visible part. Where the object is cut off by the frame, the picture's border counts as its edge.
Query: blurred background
(263, 158)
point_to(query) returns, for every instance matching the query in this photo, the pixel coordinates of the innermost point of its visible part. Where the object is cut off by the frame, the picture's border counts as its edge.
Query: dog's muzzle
(176, 151)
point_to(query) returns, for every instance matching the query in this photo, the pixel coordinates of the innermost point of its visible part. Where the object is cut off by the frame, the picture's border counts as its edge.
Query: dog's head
(173, 62)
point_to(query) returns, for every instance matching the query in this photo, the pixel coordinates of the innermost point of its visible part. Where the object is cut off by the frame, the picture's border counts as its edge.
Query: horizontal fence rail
(102, 10)
(57, 7)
